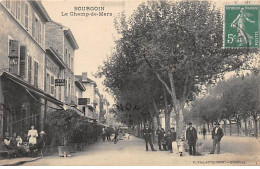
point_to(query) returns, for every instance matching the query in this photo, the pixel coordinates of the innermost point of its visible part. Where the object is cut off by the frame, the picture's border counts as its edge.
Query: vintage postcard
(129, 83)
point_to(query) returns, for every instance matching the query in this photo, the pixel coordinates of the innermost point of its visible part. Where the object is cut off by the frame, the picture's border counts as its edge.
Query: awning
(30, 87)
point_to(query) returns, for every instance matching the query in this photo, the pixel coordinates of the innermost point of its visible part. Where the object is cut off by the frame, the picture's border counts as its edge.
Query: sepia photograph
(129, 83)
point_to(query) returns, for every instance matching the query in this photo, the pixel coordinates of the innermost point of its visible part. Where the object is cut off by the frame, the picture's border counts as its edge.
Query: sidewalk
(18, 161)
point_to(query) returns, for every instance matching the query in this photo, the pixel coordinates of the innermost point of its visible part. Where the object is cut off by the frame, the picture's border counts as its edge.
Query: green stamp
(241, 26)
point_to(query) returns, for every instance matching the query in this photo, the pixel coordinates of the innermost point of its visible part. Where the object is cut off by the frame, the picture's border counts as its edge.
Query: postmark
(241, 26)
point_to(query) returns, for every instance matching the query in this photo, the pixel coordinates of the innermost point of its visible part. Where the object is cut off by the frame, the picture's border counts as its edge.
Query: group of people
(169, 141)
(25, 146)
(106, 134)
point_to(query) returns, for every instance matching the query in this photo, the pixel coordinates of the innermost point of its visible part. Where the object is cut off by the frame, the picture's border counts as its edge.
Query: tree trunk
(246, 130)
(238, 129)
(167, 120)
(156, 113)
(230, 127)
(225, 127)
(208, 127)
(179, 121)
(167, 117)
(256, 128)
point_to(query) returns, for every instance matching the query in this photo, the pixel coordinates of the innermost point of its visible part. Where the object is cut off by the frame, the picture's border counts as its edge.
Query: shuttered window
(52, 85)
(23, 58)
(26, 16)
(18, 10)
(30, 69)
(36, 67)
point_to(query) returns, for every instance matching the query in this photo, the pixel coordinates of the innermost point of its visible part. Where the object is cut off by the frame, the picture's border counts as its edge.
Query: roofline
(69, 35)
(57, 58)
(38, 5)
(80, 85)
(71, 38)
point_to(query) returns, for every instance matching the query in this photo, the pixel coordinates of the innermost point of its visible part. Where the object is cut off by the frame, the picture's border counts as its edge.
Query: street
(234, 151)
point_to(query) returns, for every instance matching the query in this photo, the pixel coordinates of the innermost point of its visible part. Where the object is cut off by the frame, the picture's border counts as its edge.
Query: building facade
(92, 108)
(22, 67)
(60, 39)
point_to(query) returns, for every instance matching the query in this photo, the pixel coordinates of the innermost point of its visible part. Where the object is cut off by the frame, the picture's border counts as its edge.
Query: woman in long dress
(32, 134)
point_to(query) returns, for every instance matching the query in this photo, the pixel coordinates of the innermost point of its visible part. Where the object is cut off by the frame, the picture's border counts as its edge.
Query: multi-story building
(23, 101)
(90, 95)
(60, 39)
(79, 89)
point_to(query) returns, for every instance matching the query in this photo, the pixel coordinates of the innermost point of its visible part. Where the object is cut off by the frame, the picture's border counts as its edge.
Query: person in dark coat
(108, 134)
(217, 134)
(204, 132)
(160, 133)
(191, 136)
(115, 139)
(147, 134)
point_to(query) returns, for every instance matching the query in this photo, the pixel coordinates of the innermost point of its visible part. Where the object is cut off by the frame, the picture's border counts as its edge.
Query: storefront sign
(83, 101)
(60, 82)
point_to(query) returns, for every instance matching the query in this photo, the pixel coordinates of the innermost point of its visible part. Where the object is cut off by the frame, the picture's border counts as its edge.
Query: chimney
(84, 76)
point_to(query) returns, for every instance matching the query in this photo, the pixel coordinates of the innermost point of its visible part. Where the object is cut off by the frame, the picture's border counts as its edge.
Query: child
(181, 146)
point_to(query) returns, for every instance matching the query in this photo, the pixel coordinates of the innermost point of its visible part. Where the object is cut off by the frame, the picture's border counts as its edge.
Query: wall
(14, 30)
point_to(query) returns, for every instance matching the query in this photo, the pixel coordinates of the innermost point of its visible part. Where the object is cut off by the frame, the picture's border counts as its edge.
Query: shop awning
(30, 87)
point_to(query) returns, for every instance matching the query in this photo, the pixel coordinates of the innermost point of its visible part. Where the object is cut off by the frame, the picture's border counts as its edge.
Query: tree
(64, 122)
(180, 43)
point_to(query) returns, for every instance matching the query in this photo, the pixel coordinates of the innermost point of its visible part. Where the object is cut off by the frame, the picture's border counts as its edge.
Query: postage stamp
(241, 26)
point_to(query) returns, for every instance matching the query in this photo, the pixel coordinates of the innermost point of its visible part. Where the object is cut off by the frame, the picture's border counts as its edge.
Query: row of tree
(166, 53)
(236, 99)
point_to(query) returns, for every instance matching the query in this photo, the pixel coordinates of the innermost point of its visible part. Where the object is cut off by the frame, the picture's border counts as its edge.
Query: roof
(86, 81)
(80, 85)
(40, 8)
(56, 57)
(30, 87)
(68, 35)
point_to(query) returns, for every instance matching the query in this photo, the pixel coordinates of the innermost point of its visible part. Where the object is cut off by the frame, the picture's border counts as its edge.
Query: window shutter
(14, 57)
(23, 58)
(30, 69)
(13, 48)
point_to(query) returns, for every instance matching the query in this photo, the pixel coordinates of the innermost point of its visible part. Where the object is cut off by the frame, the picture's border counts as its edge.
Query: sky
(95, 35)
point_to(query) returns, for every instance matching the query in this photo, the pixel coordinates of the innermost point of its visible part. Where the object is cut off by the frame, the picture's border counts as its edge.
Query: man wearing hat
(191, 136)
(147, 133)
(217, 134)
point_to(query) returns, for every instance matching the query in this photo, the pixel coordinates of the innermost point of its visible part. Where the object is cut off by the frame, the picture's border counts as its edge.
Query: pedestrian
(103, 134)
(191, 136)
(108, 134)
(160, 133)
(147, 133)
(164, 141)
(173, 143)
(32, 134)
(217, 134)
(204, 131)
(181, 146)
(115, 139)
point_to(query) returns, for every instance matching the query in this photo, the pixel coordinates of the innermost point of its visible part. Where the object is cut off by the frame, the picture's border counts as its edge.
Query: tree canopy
(177, 46)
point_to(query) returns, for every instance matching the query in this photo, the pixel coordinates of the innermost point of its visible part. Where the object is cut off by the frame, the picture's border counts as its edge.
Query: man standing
(191, 136)
(204, 131)
(217, 134)
(147, 133)
(160, 133)
(115, 139)
(108, 134)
